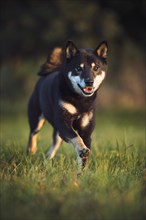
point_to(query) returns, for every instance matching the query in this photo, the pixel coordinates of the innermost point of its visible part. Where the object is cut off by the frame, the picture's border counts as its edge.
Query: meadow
(113, 186)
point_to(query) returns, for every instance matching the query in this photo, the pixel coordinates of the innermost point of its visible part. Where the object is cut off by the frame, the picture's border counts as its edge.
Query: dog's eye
(95, 68)
(79, 69)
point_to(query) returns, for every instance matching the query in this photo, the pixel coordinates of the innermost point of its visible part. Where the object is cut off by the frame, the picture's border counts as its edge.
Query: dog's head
(85, 69)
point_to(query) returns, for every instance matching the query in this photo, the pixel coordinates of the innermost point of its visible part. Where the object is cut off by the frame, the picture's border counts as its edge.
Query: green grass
(112, 188)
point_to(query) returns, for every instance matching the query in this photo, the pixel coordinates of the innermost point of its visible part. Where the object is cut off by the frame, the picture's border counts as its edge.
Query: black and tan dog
(65, 96)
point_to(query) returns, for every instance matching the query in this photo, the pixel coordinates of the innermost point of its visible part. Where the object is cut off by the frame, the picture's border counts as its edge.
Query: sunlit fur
(65, 95)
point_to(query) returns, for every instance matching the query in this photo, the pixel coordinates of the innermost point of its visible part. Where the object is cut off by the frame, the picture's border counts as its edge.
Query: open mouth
(88, 90)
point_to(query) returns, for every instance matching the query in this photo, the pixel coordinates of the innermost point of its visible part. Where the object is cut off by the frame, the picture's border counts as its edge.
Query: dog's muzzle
(89, 82)
(88, 89)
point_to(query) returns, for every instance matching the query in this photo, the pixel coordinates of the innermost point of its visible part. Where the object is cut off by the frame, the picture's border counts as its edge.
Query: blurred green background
(114, 185)
(31, 28)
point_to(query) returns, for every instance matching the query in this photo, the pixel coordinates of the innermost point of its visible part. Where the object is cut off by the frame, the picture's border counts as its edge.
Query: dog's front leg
(82, 152)
(68, 134)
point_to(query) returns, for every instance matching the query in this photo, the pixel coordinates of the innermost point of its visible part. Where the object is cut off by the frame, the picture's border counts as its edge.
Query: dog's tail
(53, 63)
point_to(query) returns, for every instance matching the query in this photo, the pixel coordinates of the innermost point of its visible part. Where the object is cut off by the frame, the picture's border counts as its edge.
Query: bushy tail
(53, 63)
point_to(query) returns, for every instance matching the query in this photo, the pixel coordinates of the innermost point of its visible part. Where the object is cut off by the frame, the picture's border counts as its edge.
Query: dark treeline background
(31, 28)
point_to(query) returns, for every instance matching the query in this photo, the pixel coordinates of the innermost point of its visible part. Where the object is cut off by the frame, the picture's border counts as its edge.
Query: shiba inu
(65, 96)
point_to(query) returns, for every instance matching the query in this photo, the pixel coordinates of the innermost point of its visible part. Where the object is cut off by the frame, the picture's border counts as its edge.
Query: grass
(112, 188)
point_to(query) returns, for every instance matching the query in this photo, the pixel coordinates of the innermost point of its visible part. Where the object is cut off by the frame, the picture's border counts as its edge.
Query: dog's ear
(102, 50)
(70, 50)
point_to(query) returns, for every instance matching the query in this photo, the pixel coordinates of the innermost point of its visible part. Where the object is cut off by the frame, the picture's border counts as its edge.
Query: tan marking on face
(69, 107)
(82, 65)
(92, 64)
(103, 74)
(98, 79)
(86, 119)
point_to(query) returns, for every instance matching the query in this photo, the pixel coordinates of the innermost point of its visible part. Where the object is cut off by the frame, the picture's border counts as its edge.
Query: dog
(65, 96)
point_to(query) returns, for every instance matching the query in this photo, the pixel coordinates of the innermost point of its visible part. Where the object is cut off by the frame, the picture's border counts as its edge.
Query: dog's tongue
(88, 89)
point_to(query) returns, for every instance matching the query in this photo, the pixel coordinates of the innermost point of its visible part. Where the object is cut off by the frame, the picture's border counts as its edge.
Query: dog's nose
(89, 82)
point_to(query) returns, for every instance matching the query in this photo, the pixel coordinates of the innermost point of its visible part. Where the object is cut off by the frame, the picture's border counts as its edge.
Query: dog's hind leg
(57, 140)
(36, 121)
(32, 142)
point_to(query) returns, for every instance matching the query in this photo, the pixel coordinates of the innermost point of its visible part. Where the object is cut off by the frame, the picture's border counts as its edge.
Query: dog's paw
(49, 156)
(31, 151)
(84, 153)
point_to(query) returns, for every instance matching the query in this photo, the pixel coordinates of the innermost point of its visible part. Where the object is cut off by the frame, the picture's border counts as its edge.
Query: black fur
(54, 87)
